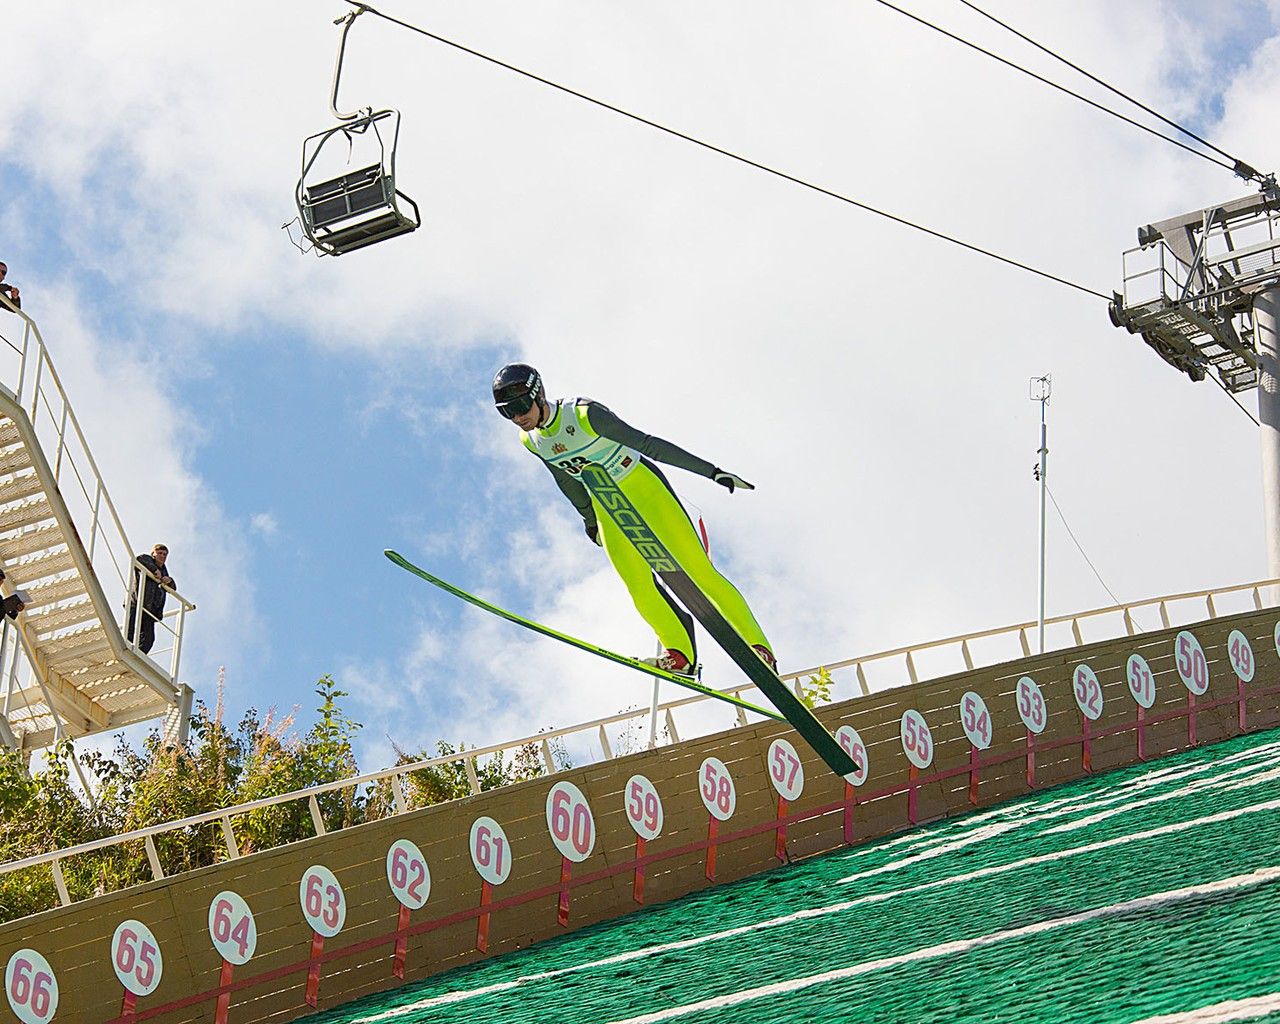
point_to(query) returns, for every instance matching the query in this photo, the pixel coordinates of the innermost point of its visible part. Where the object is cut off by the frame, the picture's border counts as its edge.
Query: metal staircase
(67, 668)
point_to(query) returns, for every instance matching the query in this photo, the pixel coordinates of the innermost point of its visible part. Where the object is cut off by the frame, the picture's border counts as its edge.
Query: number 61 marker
(491, 857)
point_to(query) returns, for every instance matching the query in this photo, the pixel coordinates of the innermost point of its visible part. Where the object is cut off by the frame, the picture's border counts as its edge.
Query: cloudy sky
(278, 420)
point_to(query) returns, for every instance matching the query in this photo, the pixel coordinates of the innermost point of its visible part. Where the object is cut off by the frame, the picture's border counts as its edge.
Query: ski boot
(766, 656)
(673, 661)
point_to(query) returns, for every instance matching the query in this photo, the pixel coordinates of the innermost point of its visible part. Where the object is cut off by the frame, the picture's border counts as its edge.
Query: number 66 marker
(31, 987)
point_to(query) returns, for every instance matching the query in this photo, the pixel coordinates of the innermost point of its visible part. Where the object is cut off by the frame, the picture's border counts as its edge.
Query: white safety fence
(901, 666)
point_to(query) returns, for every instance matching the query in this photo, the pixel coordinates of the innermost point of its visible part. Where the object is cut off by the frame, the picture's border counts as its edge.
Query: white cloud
(264, 523)
(871, 381)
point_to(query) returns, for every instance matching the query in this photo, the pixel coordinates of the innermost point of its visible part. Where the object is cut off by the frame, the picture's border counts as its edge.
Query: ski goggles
(516, 405)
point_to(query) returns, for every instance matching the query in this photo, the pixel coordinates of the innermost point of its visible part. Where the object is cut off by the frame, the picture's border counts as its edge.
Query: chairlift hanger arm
(346, 21)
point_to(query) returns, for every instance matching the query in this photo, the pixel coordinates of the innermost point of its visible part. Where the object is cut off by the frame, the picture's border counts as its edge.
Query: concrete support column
(1266, 322)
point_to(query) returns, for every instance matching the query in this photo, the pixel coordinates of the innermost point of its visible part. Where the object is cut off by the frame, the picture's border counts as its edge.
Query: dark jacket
(153, 593)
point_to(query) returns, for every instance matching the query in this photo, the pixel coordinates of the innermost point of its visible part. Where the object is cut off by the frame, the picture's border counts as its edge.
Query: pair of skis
(610, 497)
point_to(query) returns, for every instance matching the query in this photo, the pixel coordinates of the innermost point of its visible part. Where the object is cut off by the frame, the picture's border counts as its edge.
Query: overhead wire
(794, 179)
(1054, 85)
(1233, 398)
(730, 154)
(1079, 547)
(1240, 167)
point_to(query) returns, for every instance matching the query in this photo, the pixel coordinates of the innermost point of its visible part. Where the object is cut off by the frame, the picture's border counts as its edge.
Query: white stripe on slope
(1221, 1013)
(960, 946)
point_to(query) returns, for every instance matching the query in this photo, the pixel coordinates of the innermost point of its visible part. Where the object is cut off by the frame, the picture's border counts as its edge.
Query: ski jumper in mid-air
(573, 433)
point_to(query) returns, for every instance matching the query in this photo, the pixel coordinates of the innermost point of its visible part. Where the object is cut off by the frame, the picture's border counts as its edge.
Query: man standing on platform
(153, 584)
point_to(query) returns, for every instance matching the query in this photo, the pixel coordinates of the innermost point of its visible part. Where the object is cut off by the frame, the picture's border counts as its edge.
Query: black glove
(593, 531)
(730, 481)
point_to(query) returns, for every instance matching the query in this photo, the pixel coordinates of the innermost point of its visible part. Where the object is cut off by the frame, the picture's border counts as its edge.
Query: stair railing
(28, 373)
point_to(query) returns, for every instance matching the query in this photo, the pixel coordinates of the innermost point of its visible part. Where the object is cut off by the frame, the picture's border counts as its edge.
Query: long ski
(573, 641)
(620, 509)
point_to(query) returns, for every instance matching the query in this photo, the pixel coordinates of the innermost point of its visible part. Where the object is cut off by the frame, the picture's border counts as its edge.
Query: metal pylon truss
(67, 667)
(1190, 283)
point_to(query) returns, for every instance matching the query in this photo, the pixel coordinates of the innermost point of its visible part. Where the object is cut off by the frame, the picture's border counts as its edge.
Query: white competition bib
(569, 443)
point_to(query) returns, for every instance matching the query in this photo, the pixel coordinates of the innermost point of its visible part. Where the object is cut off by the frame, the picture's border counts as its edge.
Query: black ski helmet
(517, 387)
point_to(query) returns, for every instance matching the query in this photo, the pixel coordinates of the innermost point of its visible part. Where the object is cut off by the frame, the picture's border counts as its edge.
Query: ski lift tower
(1203, 290)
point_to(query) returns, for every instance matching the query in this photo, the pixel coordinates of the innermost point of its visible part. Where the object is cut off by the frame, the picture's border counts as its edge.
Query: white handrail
(1020, 628)
(40, 393)
(468, 757)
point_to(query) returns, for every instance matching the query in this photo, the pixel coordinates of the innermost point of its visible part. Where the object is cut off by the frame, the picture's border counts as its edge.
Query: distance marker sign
(490, 851)
(1088, 692)
(1031, 708)
(31, 987)
(785, 770)
(232, 928)
(569, 820)
(1142, 681)
(1241, 655)
(408, 874)
(975, 719)
(1193, 667)
(719, 795)
(917, 740)
(136, 959)
(847, 736)
(644, 807)
(323, 903)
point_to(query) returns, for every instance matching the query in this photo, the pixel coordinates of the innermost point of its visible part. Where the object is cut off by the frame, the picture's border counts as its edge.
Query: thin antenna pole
(1040, 390)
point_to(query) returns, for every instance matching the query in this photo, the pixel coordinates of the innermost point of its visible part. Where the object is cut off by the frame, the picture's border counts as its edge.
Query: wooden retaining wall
(530, 905)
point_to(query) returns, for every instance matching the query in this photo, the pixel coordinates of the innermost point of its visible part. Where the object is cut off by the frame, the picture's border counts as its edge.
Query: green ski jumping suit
(582, 432)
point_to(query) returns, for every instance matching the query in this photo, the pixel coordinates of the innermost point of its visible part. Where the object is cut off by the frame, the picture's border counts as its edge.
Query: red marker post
(1088, 693)
(644, 813)
(410, 882)
(234, 934)
(324, 908)
(573, 832)
(720, 797)
(1193, 670)
(917, 744)
(1142, 688)
(1034, 715)
(849, 740)
(491, 857)
(137, 961)
(787, 775)
(975, 719)
(1242, 662)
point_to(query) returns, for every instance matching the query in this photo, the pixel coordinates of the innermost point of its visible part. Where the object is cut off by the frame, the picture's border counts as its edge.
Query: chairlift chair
(359, 207)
